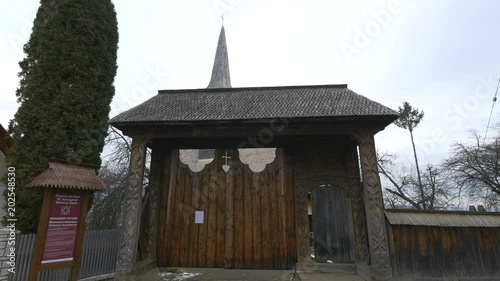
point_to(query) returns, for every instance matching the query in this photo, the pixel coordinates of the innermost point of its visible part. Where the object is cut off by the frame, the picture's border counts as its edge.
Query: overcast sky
(441, 56)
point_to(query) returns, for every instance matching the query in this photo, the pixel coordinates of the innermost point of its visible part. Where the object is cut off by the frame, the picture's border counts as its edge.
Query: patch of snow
(178, 276)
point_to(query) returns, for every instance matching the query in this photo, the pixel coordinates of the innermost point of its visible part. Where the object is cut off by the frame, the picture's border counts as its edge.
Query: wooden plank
(192, 246)
(266, 221)
(290, 194)
(230, 215)
(211, 216)
(392, 250)
(495, 239)
(412, 265)
(42, 234)
(202, 228)
(275, 239)
(470, 261)
(221, 212)
(336, 214)
(315, 218)
(171, 202)
(436, 253)
(186, 219)
(400, 249)
(248, 219)
(459, 255)
(178, 214)
(280, 181)
(257, 220)
(239, 218)
(321, 223)
(483, 250)
(448, 260)
(162, 216)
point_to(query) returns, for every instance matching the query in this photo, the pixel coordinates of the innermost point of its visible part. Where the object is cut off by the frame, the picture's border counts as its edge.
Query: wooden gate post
(154, 189)
(374, 207)
(132, 211)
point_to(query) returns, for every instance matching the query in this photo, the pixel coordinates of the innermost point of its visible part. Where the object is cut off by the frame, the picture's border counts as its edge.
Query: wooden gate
(248, 218)
(331, 225)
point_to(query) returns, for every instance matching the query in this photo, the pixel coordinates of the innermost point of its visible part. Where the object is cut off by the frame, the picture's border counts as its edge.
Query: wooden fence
(100, 249)
(442, 245)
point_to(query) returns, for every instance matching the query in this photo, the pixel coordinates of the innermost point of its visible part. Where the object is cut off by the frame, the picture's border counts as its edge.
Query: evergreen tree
(409, 118)
(65, 91)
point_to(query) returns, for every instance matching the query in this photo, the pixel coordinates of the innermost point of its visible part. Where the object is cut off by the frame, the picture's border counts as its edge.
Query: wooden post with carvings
(132, 211)
(374, 207)
(154, 189)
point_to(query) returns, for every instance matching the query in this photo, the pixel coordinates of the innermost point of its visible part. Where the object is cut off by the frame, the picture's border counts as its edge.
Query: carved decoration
(315, 167)
(155, 183)
(358, 207)
(196, 159)
(226, 166)
(377, 233)
(132, 210)
(257, 158)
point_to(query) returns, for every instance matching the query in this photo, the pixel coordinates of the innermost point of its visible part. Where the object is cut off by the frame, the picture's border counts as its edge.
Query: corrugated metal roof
(443, 218)
(320, 101)
(68, 176)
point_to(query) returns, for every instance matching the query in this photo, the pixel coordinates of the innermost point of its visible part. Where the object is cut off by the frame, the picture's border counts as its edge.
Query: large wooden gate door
(331, 225)
(248, 217)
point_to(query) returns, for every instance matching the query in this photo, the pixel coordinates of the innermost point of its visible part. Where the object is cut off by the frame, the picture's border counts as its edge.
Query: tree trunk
(422, 195)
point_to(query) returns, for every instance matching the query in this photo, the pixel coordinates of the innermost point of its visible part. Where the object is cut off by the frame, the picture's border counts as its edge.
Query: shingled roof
(62, 174)
(220, 72)
(231, 104)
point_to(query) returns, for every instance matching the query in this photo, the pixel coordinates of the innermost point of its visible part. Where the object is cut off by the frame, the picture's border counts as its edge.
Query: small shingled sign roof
(65, 175)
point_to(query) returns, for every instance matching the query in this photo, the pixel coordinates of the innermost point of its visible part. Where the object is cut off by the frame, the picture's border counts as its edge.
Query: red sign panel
(62, 228)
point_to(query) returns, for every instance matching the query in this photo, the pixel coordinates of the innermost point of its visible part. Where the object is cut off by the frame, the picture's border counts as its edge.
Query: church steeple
(220, 73)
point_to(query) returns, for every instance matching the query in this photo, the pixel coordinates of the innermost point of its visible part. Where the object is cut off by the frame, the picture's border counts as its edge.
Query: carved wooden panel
(133, 201)
(152, 210)
(315, 166)
(378, 241)
(357, 205)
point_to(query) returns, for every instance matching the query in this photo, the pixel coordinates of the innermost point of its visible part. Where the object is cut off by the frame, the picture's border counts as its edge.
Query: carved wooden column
(358, 208)
(377, 232)
(302, 223)
(132, 211)
(155, 185)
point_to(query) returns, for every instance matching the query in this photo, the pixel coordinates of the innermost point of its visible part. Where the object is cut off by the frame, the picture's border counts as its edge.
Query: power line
(491, 113)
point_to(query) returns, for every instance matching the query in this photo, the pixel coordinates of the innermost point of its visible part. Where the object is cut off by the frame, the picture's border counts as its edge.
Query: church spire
(220, 72)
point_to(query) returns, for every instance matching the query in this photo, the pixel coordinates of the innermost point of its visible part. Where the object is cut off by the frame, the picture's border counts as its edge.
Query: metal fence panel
(100, 250)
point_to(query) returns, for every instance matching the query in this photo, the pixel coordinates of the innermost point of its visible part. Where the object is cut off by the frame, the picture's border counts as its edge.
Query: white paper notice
(198, 217)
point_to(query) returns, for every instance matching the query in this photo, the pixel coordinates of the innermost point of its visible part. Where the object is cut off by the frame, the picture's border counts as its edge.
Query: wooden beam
(128, 248)
(374, 207)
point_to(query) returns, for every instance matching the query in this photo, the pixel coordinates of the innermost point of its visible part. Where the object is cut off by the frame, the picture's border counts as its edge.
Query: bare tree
(107, 208)
(403, 191)
(475, 167)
